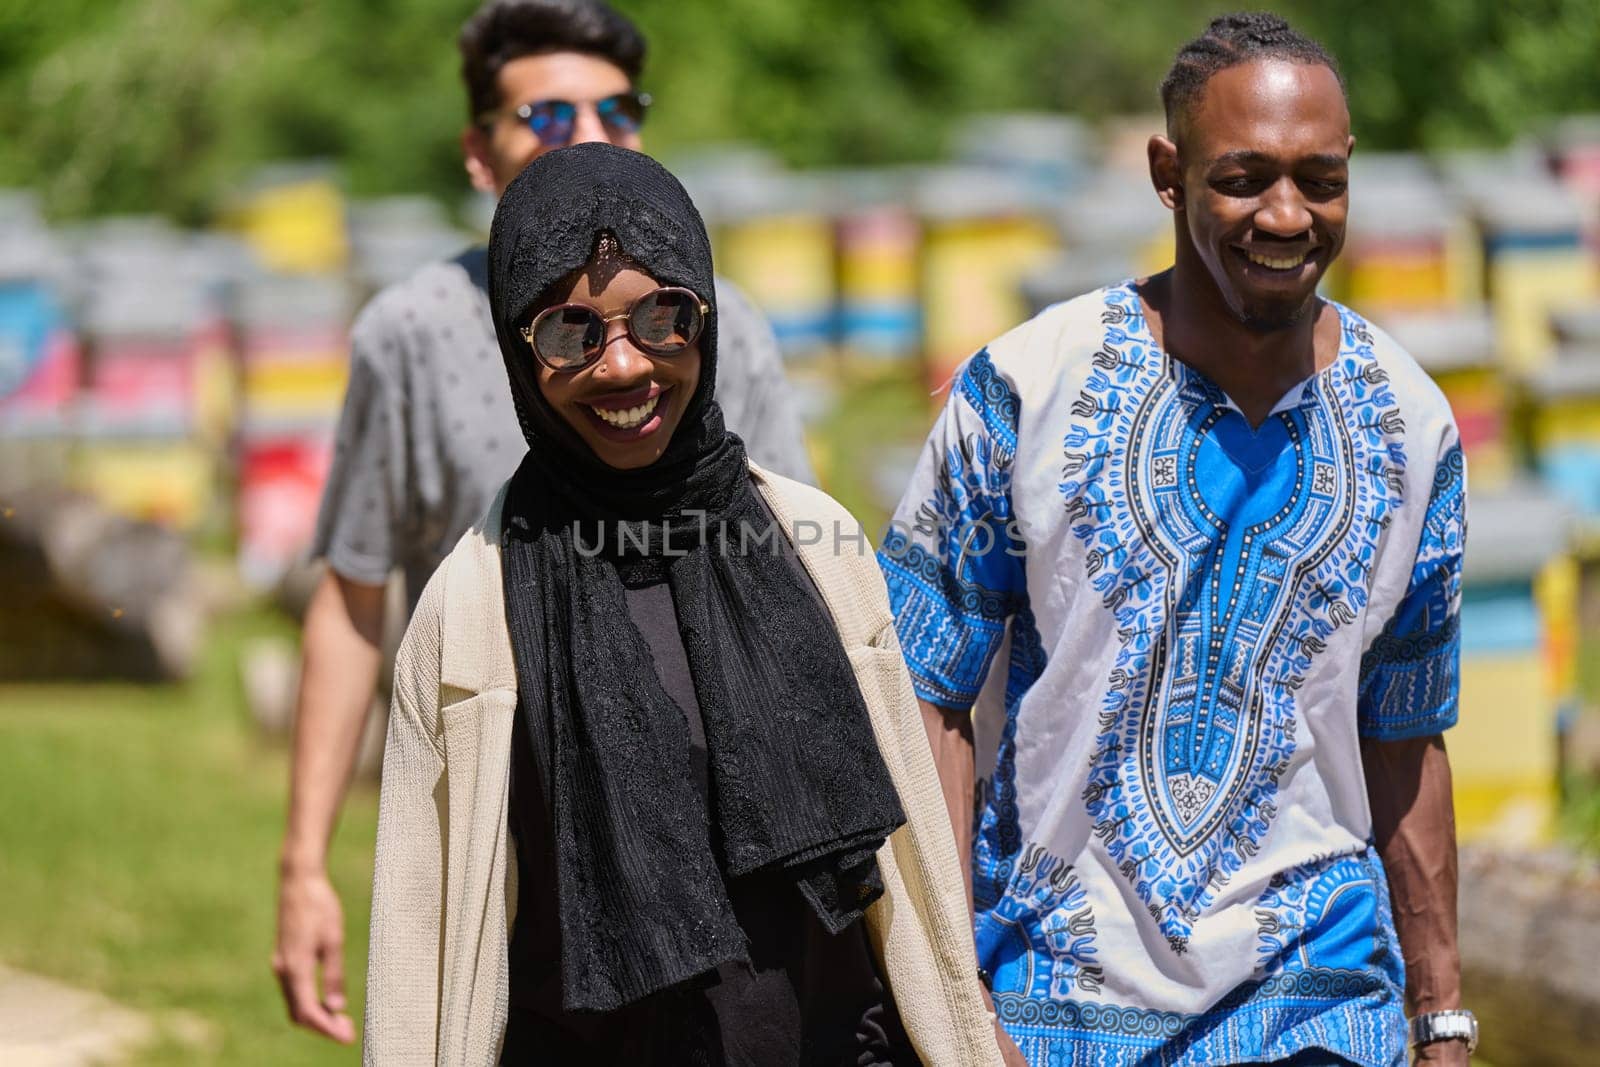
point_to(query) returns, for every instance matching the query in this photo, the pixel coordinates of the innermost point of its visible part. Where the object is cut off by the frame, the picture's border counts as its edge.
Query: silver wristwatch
(1434, 1026)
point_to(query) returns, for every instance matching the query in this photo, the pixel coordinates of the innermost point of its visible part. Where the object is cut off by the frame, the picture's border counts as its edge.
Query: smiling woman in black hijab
(793, 784)
(716, 767)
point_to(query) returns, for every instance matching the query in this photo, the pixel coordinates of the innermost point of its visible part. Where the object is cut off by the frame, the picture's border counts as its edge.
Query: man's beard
(1271, 320)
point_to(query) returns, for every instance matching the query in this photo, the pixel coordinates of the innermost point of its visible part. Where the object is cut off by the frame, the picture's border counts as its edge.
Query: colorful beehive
(1504, 750)
(1409, 247)
(155, 350)
(166, 288)
(293, 339)
(878, 240)
(1537, 262)
(148, 474)
(1564, 425)
(40, 365)
(220, 264)
(1459, 351)
(979, 242)
(39, 361)
(774, 238)
(145, 338)
(293, 216)
(280, 479)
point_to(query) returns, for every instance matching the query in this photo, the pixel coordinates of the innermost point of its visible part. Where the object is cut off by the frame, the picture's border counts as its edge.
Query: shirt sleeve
(754, 393)
(952, 556)
(1411, 676)
(359, 522)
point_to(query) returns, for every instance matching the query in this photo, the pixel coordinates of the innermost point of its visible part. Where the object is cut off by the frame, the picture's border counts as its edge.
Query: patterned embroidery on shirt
(1323, 914)
(994, 400)
(1218, 624)
(997, 833)
(1035, 929)
(1263, 1020)
(1410, 677)
(1038, 937)
(1325, 948)
(974, 571)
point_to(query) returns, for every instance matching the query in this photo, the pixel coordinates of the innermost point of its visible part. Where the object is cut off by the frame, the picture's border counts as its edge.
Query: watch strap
(1456, 1025)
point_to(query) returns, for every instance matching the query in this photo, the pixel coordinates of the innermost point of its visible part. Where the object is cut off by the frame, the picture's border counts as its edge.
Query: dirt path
(44, 1023)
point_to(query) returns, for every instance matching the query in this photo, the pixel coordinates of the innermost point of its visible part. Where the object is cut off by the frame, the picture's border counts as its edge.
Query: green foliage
(127, 105)
(1438, 73)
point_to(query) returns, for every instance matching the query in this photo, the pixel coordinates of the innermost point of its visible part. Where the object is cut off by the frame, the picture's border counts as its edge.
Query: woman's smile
(629, 416)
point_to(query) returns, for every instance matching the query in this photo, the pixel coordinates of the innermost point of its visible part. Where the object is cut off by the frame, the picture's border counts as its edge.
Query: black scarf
(796, 780)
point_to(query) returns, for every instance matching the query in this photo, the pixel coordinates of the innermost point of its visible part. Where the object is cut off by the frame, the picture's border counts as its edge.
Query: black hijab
(796, 782)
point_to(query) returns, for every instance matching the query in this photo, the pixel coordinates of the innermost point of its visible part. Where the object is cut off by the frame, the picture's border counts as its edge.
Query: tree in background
(163, 105)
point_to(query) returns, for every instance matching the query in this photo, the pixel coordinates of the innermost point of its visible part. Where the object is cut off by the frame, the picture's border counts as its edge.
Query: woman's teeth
(628, 418)
(1274, 263)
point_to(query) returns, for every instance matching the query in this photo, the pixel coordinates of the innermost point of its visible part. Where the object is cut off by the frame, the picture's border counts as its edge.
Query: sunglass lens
(667, 320)
(564, 337)
(551, 121)
(623, 113)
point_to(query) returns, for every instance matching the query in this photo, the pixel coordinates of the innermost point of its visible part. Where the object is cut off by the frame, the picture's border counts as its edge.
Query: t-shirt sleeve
(1411, 676)
(359, 522)
(753, 390)
(952, 556)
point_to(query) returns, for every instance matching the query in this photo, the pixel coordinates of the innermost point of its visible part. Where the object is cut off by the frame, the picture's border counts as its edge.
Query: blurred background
(196, 196)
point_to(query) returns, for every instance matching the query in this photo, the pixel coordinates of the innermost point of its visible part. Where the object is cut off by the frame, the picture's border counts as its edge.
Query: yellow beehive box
(294, 221)
(164, 481)
(1524, 288)
(1516, 616)
(775, 240)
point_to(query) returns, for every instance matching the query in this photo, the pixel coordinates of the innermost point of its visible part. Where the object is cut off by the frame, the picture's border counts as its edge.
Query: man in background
(428, 434)
(1207, 529)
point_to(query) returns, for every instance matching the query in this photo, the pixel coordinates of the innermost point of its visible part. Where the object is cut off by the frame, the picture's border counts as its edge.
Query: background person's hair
(503, 30)
(1229, 41)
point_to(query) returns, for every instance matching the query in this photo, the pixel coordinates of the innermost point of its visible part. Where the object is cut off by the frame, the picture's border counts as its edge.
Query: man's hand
(950, 735)
(311, 938)
(1009, 1052)
(339, 669)
(1443, 1053)
(1413, 824)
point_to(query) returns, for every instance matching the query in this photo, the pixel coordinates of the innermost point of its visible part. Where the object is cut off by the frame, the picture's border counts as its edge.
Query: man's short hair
(1229, 41)
(503, 30)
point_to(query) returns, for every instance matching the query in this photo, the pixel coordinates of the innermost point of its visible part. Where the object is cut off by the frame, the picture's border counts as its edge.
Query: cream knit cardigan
(444, 890)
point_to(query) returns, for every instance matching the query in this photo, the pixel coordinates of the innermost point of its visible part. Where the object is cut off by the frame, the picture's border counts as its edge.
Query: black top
(807, 998)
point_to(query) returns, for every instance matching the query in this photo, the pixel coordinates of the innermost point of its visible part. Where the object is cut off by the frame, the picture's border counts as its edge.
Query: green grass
(1589, 669)
(1580, 808)
(1580, 813)
(142, 830)
(880, 406)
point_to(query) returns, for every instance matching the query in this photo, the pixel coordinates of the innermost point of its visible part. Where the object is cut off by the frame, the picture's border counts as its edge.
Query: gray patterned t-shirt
(428, 433)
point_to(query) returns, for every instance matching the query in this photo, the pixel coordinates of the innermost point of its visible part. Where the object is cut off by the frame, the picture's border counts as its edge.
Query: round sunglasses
(662, 322)
(553, 121)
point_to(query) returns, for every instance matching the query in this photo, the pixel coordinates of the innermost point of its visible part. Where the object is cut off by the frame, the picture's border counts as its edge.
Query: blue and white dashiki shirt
(1174, 630)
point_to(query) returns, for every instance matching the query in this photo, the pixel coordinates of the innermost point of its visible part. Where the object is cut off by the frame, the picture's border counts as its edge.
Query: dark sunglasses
(663, 322)
(552, 121)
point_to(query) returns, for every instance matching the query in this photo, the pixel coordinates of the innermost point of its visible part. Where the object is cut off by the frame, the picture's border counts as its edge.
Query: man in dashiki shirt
(1189, 549)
